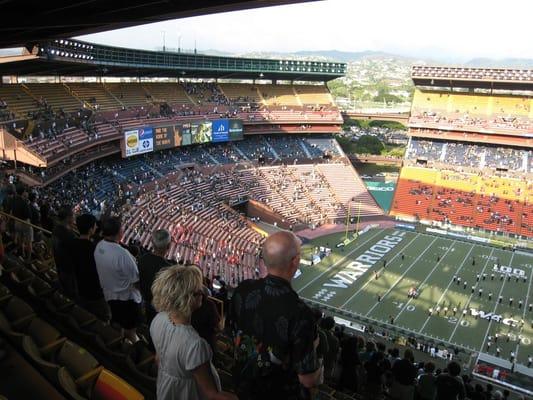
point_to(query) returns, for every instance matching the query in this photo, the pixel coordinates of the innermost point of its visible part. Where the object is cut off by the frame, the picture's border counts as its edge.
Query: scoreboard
(147, 139)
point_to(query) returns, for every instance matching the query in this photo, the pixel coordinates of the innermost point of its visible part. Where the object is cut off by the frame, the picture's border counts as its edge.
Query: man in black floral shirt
(275, 332)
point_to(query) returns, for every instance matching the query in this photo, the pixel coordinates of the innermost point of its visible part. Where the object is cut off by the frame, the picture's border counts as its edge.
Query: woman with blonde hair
(185, 367)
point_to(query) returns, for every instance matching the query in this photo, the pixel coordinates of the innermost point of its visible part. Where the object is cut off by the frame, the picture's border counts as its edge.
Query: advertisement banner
(235, 129)
(383, 192)
(220, 132)
(138, 141)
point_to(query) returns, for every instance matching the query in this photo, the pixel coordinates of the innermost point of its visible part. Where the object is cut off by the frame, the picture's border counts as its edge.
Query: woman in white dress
(185, 368)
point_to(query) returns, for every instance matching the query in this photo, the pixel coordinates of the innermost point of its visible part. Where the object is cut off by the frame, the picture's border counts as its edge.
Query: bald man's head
(281, 252)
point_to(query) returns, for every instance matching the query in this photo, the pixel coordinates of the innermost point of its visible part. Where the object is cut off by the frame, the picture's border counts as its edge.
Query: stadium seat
(101, 385)
(342, 396)
(50, 275)
(21, 277)
(41, 266)
(7, 329)
(5, 294)
(66, 382)
(48, 368)
(77, 317)
(58, 303)
(109, 386)
(43, 334)
(108, 339)
(61, 353)
(79, 362)
(141, 362)
(39, 289)
(11, 263)
(18, 312)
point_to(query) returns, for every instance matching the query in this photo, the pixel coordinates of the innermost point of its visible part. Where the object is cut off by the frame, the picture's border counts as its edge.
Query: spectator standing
(349, 364)
(149, 265)
(478, 393)
(35, 215)
(426, 382)
(370, 348)
(330, 358)
(375, 369)
(21, 209)
(206, 320)
(185, 368)
(449, 384)
(322, 348)
(119, 278)
(404, 375)
(275, 331)
(90, 293)
(62, 238)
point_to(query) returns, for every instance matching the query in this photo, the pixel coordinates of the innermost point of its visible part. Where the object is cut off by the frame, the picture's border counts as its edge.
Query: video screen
(201, 132)
(186, 137)
(235, 129)
(167, 137)
(146, 139)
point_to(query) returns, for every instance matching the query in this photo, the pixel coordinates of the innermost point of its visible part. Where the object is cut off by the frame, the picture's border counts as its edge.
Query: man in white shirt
(119, 278)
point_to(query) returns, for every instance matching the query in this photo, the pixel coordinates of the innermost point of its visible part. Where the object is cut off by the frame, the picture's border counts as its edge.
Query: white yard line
(340, 261)
(449, 284)
(402, 276)
(371, 280)
(494, 311)
(524, 306)
(470, 298)
(420, 286)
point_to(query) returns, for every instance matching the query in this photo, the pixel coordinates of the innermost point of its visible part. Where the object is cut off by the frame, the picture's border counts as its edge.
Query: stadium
(221, 152)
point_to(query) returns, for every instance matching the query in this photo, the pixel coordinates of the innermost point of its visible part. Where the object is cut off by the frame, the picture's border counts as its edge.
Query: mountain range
(347, 56)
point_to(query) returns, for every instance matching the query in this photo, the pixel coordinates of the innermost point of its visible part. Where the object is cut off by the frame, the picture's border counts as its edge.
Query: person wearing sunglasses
(185, 359)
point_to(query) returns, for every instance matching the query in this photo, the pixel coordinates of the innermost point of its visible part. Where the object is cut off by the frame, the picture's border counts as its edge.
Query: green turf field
(346, 280)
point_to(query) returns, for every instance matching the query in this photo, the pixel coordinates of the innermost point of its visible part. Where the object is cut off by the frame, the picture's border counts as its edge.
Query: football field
(371, 278)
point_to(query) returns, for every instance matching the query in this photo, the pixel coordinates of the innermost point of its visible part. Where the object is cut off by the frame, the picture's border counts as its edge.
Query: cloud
(453, 29)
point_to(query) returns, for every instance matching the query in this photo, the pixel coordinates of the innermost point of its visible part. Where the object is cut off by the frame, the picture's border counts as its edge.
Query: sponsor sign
(235, 129)
(220, 130)
(138, 141)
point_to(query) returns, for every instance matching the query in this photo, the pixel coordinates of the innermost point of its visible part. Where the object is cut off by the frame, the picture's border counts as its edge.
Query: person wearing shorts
(119, 278)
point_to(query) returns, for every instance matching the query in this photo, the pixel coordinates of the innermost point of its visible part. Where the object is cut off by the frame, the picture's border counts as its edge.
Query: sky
(446, 30)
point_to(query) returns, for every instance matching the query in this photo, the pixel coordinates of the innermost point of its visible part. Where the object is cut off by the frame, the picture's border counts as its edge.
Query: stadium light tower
(164, 33)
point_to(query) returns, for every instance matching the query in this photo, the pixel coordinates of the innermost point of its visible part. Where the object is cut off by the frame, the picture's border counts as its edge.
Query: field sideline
(346, 280)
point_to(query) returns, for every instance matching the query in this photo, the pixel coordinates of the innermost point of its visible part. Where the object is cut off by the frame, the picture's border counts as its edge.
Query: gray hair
(161, 239)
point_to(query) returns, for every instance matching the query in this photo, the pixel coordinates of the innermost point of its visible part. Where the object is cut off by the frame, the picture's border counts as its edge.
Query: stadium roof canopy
(67, 57)
(26, 22)
(466, 77)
